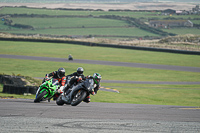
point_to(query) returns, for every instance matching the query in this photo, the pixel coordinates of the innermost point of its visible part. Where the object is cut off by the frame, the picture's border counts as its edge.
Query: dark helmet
(61, 72)
(97, 78)
(80, 71)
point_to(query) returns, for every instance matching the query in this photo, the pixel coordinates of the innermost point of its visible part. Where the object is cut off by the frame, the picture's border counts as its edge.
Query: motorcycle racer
(75, 78)
(59, 75)
(96, 84)
(97, 78)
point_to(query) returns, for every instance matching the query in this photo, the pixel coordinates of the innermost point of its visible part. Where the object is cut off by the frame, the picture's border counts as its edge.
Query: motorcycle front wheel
(40, 96)
(78, 97)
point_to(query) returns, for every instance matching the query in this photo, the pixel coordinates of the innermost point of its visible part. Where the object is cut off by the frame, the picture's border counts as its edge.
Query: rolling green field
(69, 22)
(51, 12)
(83, 23)
(86, 31)
(184, 95)
(183, 31)
(62, 50)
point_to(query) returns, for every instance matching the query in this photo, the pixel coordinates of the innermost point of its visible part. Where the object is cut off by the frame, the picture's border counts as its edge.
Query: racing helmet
(97, 78)
(80, 71)
(61, 72)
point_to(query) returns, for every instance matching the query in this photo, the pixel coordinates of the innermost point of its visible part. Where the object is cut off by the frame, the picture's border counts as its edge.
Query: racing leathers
(74, 79)
(61, 79)
(96, 88)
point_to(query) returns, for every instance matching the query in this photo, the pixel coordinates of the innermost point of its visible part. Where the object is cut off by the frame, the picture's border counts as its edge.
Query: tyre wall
(14, 85)
(12, 89)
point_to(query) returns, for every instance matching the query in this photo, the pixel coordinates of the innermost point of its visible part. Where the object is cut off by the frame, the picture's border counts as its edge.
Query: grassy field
(86, 31)
(97, 53)
(69, 22)
(39, 69)
(185, 95)
(80, 26)
(183, 31)
(10, 10)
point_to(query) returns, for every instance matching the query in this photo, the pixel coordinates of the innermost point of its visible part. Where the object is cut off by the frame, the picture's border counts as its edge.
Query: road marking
(112, 90)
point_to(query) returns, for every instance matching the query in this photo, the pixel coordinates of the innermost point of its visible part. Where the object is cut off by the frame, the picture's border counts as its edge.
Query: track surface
(22, 115)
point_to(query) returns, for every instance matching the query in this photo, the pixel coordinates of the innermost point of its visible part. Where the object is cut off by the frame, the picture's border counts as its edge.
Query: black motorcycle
(76, 94)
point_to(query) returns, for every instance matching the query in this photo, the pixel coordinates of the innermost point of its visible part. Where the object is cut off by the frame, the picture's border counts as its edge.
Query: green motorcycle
(48, 90)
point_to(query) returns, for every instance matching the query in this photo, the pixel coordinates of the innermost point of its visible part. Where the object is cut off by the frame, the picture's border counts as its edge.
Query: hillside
(107, 6)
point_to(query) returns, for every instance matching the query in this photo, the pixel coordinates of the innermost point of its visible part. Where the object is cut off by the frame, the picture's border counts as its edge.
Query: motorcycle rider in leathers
(97, 78)
(75, 78)
(59, 75)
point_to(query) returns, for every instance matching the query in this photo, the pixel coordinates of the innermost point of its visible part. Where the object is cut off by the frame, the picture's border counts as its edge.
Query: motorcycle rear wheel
(81, 96)
(40, 96)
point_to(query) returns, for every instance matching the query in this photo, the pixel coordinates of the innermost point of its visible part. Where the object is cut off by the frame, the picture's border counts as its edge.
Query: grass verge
(97, 53)
(182, 95)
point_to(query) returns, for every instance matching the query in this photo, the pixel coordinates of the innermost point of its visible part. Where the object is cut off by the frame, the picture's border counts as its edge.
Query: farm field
(87, 31)
(86, 23)
(183, 31)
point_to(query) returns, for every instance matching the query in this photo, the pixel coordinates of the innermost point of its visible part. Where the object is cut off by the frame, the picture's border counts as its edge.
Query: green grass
(183, 31)
(85, 31)
(11, 10)
(2, 26)
(79, 25)
(68, 22)
(34, 68)
(195, 21)
(183, 95)
(97, 53)
(186, 95)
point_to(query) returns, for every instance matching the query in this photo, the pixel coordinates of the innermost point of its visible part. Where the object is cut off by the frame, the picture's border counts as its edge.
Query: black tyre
(78, 97)
(59, 101)
(40, 96)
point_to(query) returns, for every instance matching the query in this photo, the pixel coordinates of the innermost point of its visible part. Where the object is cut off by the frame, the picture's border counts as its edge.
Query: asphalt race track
(25, 116)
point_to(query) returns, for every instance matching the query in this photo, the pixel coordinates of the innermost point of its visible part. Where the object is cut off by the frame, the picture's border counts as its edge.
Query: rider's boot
(87, 99)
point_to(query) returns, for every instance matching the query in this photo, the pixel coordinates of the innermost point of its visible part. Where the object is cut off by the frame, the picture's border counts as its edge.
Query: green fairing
(48, 87)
